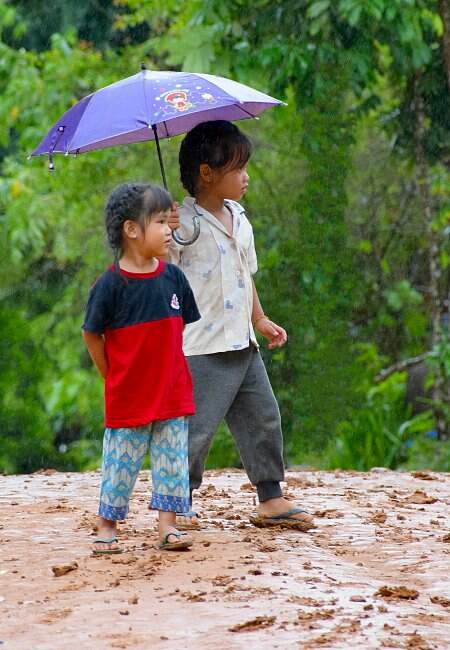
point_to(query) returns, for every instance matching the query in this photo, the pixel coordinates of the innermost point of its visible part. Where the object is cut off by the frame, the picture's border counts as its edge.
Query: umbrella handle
(196, 233)
(195, 219)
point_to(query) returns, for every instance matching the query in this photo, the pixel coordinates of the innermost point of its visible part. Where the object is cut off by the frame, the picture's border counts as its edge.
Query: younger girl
(133, 331)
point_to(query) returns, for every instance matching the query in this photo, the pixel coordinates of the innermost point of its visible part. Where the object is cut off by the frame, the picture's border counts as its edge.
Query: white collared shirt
(219, 267)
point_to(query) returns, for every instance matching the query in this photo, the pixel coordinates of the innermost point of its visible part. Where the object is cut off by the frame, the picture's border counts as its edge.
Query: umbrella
(151, 105)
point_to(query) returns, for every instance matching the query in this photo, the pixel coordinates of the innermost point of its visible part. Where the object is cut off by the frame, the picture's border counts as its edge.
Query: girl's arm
(95, 344)
(275, 334)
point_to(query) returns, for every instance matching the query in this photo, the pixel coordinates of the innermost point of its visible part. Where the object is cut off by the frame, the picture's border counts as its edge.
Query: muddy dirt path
(374, 574)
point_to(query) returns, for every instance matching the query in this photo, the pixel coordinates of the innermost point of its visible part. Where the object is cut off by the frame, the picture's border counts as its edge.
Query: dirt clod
(309, 590)
(254, 624)
(378, 517)
(62, 569)
(420, 497)
(440, 600)
(424, 476)
(395, 593)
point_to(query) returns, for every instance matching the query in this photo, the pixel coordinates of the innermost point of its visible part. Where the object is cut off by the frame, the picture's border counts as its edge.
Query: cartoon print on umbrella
(179, 99)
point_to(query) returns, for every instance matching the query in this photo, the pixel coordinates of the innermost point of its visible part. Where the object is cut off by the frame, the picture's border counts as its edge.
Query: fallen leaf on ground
(403, 593)
(62, 569)
(254, 624)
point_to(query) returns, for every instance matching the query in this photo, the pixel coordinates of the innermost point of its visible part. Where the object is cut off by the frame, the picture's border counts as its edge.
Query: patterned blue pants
(123, 453)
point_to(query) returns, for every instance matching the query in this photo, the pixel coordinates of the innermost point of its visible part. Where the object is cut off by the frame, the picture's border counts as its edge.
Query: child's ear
(130, 229)
(206, 173)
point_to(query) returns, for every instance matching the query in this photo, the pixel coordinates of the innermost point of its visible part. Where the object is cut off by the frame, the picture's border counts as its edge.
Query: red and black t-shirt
(142, 316)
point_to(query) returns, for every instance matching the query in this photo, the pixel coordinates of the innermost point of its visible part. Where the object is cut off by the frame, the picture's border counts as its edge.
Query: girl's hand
(275, 334)
(174, 217)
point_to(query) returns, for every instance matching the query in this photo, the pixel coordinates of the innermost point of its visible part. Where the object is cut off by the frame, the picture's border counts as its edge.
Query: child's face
(153, 239)
(230, 184)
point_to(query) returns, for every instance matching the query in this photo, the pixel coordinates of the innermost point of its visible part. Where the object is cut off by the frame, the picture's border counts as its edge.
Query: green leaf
(317, 8)
(365, 246)
(354, 16)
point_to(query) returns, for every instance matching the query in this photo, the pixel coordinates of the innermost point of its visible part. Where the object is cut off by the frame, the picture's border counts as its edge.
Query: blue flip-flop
(106, 551)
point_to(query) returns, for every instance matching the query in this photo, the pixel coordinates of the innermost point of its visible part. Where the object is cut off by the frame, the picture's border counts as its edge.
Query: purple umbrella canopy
(151, 105)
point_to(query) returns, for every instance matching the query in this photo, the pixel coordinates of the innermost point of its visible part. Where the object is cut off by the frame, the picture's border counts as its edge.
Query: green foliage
(341, 236)
(52, 250)
(428, 453)
(376, 435)
(95, 21)
(439, 360)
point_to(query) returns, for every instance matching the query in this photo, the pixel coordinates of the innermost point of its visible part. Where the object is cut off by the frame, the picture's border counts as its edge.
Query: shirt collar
(236, 210)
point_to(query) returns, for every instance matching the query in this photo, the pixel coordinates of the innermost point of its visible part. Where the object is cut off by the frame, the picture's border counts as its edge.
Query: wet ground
(374, 574)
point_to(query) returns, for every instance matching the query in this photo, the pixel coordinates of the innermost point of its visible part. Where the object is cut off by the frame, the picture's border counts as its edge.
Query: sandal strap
(104, 540)
(175, 534)
(289, 513)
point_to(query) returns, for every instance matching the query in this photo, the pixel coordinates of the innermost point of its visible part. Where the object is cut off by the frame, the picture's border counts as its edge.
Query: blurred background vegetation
(349, 199)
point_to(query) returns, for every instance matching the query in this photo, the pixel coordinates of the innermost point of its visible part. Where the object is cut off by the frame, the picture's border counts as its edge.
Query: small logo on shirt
(174, 302)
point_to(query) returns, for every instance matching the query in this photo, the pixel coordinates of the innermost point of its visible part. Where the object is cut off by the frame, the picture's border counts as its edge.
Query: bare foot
(280, 505)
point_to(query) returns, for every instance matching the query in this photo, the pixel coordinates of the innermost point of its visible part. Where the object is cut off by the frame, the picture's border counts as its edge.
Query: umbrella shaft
(158, 148)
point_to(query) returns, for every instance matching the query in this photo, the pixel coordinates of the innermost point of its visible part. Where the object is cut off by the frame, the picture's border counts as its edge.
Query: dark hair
(218, 144)
(134, 201)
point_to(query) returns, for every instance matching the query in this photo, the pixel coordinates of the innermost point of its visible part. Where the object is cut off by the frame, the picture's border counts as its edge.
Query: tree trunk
(433, 239)
(444, 11)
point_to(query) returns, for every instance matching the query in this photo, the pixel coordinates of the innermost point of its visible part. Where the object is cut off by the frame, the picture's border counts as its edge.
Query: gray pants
(234, 386)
